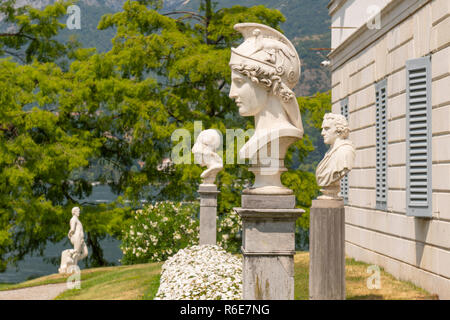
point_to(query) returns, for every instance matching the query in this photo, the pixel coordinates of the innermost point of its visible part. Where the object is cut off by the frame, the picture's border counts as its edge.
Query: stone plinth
(268, 246)
(208, 213)
(327, 250)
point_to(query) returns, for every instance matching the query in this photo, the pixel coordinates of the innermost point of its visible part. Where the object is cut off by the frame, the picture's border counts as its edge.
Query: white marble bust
(339, 159)
(265, 68)
(204, 150)
(71, 257)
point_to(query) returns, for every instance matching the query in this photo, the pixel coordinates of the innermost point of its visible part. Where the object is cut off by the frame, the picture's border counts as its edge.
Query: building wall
(351, 14)
(413, 249)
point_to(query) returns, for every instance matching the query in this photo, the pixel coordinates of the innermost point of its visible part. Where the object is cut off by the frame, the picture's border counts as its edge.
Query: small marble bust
(264, 70)
(338, 160)
(70, 257)
(204, 150)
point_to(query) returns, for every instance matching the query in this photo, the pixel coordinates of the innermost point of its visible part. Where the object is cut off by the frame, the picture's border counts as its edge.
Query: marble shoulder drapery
(336, 163)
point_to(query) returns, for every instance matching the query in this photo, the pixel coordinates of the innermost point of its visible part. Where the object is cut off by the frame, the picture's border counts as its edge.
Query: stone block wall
(412, 249)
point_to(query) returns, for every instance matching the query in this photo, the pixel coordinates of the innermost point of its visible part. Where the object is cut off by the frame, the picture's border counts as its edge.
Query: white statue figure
(204, 150)
(265, 69)
(338, 160)
(70, 257)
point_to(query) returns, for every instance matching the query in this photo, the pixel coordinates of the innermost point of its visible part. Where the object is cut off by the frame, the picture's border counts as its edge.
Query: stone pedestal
(327, 250)
(208, 213)
(268, 246)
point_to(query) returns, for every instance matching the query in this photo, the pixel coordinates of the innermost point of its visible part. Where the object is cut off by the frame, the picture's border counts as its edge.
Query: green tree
(182, 57)
(28, 33)
(164, 72)
(41, 142)
(118, 108)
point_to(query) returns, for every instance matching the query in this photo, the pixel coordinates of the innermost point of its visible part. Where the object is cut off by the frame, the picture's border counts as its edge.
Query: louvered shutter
(381, 145)
(344, 180)
(418, 138)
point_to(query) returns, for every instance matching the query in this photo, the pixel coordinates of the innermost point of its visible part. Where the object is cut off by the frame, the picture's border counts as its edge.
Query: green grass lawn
(356, 283)
(134, 282)
(141, 281)
(128, 283)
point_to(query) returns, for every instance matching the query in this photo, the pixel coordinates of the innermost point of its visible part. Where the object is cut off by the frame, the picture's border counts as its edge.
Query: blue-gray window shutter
(418, 138)
(344, 180)
(381, 188)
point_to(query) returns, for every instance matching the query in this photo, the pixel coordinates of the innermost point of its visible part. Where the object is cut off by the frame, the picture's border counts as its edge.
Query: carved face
(329, 132)
(249, 97)
(207, 143)
(76, 211)
(200, 150)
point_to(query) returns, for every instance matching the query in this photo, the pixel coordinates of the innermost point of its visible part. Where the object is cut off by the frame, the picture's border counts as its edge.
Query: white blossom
(201, 272)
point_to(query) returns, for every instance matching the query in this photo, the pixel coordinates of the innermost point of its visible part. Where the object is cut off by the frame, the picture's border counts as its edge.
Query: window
(344, 180)
(418, 138)
(381, 187)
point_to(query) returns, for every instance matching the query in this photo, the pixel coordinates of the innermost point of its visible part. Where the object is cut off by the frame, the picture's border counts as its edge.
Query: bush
(229, 232)
(201, 273)
(159, 231)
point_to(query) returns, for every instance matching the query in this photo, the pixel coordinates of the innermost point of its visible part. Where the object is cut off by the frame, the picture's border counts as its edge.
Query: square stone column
(327, 250)
(268, 247)
(208, 213)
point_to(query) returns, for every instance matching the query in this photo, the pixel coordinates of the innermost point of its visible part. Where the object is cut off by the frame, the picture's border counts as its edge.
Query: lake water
(37, 266)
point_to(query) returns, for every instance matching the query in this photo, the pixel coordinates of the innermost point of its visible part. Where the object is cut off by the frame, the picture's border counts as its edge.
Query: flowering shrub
(229, 232)
(204, 272)
(160, 230)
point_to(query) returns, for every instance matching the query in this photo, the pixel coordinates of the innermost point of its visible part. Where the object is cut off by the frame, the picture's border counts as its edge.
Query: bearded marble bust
(339, 159)
(204, 150)
(264, 70)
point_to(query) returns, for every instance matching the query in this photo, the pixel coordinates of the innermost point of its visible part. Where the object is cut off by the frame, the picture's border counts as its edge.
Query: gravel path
(46, 292)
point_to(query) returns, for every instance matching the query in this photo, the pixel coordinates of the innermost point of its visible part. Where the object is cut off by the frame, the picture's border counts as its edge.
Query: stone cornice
(335, 5)
(392, 14)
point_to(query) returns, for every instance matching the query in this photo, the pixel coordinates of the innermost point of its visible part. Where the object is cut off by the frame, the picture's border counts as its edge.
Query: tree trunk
(96, 258)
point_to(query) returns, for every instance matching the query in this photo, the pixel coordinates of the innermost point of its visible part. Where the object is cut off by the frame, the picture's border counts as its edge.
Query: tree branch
(189, 17)
(15, 55)
(185, 12)
(218, 40)
(17, 34)
(8, 34)
(222, 85)
(173, 116)
(65, 192)
(11, 129)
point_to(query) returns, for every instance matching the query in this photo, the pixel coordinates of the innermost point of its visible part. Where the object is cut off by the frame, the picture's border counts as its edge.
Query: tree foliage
(119, 109)
(28, 33)
(181, 59)
(42, 142)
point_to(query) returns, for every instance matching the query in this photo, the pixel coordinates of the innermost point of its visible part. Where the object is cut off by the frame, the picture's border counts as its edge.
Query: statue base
(267, 153)
(268, 180)
(208, 213)
(268, 246)
(327, 250)
(331, 192)
(67, 262)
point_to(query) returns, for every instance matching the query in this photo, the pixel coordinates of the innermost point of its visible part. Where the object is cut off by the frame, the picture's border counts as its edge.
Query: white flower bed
(204, 272)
